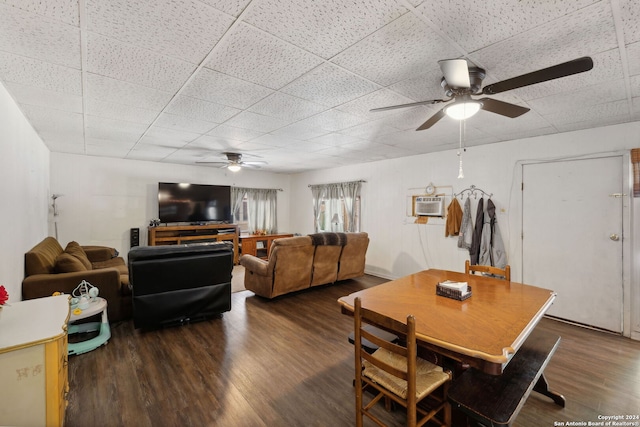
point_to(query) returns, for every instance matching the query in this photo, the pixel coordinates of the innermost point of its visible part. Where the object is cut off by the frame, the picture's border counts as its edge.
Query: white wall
(103, 198)
(24, 193)
(400, 247)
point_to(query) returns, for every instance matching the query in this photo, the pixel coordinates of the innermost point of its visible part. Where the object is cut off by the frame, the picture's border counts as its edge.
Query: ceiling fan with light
(234, 162)
(461, 81)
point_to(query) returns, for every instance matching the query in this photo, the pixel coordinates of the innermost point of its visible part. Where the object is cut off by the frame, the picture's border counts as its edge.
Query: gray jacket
(492, 250)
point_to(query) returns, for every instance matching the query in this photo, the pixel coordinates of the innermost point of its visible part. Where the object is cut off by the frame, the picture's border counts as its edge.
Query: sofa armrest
(107, 280)
(255, 265)
(99, 253)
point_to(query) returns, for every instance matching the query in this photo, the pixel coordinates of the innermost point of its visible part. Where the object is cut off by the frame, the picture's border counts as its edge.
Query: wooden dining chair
(395, 371)
(488, 269)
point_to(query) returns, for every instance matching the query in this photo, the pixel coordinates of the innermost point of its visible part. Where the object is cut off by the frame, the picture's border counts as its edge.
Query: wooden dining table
(483, 331)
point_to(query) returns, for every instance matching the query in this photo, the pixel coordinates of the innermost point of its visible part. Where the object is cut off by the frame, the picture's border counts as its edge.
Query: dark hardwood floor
(287, 362)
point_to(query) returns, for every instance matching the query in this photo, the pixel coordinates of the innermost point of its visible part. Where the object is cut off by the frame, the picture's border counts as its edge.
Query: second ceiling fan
(460, 81)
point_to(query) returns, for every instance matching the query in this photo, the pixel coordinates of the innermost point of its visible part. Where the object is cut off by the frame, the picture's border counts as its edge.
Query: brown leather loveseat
(49, 268)
(300, 262)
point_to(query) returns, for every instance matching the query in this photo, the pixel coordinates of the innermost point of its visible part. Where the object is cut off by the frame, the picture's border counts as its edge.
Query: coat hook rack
(473, 191)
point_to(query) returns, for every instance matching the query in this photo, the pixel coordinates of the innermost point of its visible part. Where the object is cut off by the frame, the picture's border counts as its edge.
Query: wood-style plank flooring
(287, 362)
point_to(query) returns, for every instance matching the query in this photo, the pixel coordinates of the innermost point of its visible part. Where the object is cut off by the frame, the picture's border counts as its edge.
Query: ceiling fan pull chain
(462, 132)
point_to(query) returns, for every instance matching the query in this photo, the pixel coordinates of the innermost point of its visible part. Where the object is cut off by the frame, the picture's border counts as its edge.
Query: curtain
(635, 162)
(237, 194)
(334, 206)
(262, 210)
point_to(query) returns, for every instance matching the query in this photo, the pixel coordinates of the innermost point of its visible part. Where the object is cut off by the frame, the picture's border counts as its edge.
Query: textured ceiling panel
(223, 89)
(132, 64)
(31, 95)
(631, 20)
(396, 52)
(293, 81)
(253, 55)
(201, 110)
(117, 91)
(323, 27)
(186, 29)
(40, 74)
(329, 85)
(286, 107)
(60, 10)
(38, 37)
(232, 7)
(485, 23)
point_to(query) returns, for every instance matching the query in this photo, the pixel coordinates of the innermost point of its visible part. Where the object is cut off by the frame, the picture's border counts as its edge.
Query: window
(254, 209)
(336, 207)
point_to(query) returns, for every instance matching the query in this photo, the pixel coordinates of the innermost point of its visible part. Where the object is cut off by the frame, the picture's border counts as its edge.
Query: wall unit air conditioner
(429, 206)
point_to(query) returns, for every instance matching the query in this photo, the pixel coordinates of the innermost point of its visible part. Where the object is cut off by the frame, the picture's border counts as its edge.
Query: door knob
(614, 237)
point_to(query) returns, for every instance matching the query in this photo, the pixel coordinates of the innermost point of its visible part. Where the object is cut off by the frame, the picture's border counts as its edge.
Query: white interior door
(572, 237)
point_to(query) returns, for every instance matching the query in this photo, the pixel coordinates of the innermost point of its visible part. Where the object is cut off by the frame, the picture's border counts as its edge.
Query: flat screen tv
(194, 203)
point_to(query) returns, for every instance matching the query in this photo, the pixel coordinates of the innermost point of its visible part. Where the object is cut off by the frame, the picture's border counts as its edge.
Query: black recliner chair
(180, 283)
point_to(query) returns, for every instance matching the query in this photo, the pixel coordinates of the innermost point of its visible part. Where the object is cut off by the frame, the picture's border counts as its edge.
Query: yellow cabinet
(34, 379)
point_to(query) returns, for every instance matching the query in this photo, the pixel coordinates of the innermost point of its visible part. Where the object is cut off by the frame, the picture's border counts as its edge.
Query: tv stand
(180, 234)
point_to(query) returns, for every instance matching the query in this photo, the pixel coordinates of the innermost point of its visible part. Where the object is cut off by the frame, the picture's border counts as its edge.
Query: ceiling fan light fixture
(234, 167)
(462, 110)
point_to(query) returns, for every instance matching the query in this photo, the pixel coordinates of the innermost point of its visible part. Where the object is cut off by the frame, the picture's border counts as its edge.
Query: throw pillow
(73, 248)
(67, 263)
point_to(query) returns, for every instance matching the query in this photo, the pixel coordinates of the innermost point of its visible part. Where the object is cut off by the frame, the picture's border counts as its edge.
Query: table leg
(542, 387)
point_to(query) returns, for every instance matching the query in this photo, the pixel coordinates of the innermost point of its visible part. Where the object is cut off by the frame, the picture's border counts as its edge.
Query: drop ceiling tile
(422, 87)
(236, 133)
(232, 7)
(168, 137)
(635, 86)
(324, 27)
(219, 145)
(589, 113)
(40, 74)
(380, 98)
(369, 130)
(551, 43)
(300, 131)
(104, 149)
(213, 86)
(329, 85)
(110, 110)
(118, 130)
(286, 107)
(117, 91)
(201, 110)
(297, 150)
(333, 120)
(152, 153)
(182, 123)
(600, 121)
(132, 64)
(45, 119)
(60, 10)
(403, 49)
(590, 95)
(64, 146)
(186, 29)
(631, 20)
(45, 98)
(256, 122)
(474, 25)
(250, 54)
(633, 55)
(335, 139)
(268, 140)
(34, 36)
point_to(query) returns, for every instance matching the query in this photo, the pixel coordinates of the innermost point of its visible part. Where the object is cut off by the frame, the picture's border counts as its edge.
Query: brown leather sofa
(49, 268)
(301, 262)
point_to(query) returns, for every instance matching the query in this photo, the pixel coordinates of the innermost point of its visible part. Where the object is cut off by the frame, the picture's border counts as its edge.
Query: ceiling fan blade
(250, 165)
(254, 163)
(502, 108)
(218, 163)
(576, 66)
(456, 72)
(413, 104)
(432, 120)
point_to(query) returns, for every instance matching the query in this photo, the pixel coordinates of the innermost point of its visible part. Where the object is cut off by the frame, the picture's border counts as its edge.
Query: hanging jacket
(454, 219)
(466, 228)
(474, 250)
(491, 246)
